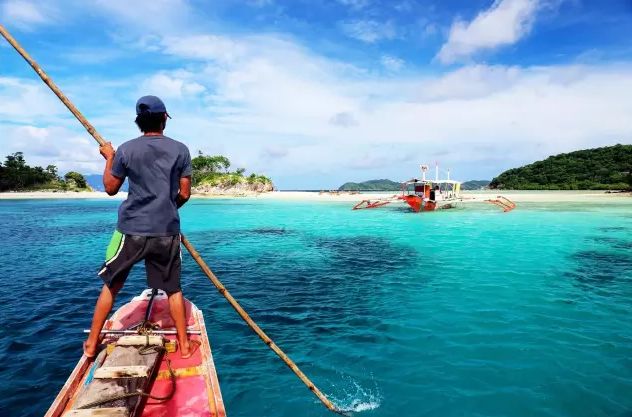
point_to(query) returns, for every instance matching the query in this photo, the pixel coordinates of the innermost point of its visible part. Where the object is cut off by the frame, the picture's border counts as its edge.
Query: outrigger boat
(139, 373)
(423, 194)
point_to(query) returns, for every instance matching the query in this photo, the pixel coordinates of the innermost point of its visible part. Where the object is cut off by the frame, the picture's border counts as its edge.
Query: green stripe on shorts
(113, 247)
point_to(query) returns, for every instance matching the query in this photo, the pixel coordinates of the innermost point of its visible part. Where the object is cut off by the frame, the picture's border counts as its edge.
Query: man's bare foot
(186, 351)
(89, 350)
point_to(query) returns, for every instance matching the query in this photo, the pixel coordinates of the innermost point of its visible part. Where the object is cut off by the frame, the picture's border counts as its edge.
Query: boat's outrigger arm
(502, 202)
(369, 204)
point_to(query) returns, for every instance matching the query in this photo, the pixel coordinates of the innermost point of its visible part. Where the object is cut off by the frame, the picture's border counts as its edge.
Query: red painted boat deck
(197, 388)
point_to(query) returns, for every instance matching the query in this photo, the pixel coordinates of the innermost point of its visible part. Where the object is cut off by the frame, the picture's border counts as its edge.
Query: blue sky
(318, 93)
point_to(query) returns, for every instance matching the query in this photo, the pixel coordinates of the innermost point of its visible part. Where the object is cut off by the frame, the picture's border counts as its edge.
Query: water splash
(354, 398)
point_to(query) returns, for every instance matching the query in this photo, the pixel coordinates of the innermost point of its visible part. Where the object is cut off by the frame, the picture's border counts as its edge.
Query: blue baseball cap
(151, 104)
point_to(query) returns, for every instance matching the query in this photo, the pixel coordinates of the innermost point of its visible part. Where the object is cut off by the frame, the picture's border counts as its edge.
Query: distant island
(16, 175)
(371, 185)
(211, 175)
(473, 185)
(388, 185)
(607, 168)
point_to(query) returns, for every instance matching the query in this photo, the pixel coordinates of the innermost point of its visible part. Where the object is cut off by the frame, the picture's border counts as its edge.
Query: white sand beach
(473, 196)
(26, 195)
(470, 196)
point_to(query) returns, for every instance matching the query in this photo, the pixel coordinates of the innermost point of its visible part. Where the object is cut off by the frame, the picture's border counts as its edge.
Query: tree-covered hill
(607, 168)
(372, 185)
(16, 175)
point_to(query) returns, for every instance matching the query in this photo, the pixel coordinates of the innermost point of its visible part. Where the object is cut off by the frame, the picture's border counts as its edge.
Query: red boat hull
(197, 388)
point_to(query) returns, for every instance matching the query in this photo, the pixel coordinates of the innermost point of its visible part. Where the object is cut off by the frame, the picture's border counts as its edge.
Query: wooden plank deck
(125, 370)
(197, 392)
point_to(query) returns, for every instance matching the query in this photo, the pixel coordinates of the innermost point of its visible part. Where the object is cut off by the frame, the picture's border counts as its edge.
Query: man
(159, 173)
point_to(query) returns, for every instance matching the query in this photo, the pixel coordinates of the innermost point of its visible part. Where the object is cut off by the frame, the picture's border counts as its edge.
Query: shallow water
(469, 312)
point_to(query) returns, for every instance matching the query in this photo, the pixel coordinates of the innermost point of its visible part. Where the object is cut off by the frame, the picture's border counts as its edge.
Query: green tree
(76, 179)
(52, 171)
(15, 174)
(214, 170)
(599, 169)
(15, 161)
(208, 164)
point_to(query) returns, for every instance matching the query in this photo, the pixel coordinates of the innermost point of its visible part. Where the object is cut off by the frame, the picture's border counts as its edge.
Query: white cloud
(24, 100)
(276, 107)
(471, 82)
(205, 47)
(504, 23)
(25, 15)
(177, 85)
(278, 92)
(392, 63)
(58, 146)
(369, 31)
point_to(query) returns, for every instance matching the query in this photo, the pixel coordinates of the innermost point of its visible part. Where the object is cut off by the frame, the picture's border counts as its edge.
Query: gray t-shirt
(154, 166)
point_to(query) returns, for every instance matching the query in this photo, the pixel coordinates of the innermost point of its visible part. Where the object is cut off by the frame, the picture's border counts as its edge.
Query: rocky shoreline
(237, 190)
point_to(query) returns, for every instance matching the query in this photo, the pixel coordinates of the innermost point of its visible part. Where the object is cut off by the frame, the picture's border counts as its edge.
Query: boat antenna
(194, 253)
(436, 171)
(424, 168)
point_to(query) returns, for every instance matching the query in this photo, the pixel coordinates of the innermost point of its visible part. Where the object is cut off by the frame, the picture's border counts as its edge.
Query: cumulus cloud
(178, 85)
(504, 23)
(261, 99)
(515, 110)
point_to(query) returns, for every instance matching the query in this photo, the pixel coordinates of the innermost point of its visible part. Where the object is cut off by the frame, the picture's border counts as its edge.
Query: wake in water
(353, 398)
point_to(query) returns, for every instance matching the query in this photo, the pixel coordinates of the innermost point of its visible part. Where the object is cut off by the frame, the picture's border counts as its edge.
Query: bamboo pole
(194, 253)
(262, 335)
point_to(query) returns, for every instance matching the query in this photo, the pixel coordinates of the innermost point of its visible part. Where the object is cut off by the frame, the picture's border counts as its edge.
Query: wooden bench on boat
(128, 369)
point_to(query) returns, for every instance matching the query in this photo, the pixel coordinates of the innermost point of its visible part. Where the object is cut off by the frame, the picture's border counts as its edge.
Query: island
(606, 168)
(211, 176)
(16, 175)
(475, 185)
(371, 185)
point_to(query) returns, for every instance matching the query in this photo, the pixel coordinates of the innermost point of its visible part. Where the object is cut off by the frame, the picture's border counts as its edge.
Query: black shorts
(162, 255)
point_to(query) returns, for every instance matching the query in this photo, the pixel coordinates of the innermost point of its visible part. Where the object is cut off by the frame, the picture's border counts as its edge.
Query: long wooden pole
(289, 362)
(194, 253)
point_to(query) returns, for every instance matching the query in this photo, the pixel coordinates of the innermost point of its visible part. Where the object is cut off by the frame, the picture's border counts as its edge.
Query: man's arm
(111, 183)
(185, 191)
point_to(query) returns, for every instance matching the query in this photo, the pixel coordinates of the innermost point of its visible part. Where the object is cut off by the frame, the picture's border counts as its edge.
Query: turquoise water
(469, 312)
